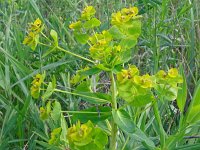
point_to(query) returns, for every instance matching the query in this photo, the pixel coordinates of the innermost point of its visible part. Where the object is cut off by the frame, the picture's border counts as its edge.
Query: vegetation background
(170, 38)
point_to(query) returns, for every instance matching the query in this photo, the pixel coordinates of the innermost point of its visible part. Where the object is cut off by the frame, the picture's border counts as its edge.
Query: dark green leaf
(91, 71)
(95, 114)
(124, 121)
(193, 114)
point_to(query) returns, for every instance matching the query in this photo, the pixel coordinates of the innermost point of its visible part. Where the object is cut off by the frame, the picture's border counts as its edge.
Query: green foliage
(54, 35)
(38, 115)
(193, 112)
(182, 94)
(95, 114)
(124, 121)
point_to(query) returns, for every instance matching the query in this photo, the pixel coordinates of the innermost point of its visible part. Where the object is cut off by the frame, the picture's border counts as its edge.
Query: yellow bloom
(133, 70)
(127, 74)
(31, 40)
(36, 26)
(104, 36)
(161, 74)
(78, 132)
(75, 25)
(36, 83)
(38, 79)
(119, 19)
(173, 73)
(132, 11)
(88, 12)
(124, 15)
(144, 81)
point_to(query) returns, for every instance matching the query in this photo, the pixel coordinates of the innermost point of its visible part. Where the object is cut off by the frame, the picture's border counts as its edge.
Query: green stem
(76, 55)
(85, 112)
(158, 119)
(113, 144)
(82, 95)
(44, 44)
(46, 37)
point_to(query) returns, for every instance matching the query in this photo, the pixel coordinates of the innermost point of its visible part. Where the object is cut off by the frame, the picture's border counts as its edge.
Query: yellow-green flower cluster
(172, 77)
(36, 84)
(85, 136)
(145, 81)
(137, 89)
(167, 84)
(78, 133)
(123, 16)
(132, 74)
(100, 47)
(134, 88)
(127, 74)
(88, 13)
(32, 38)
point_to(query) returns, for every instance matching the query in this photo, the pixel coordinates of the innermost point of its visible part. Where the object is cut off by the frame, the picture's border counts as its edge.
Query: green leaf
(116, 33)
(128, 42)
(54, 35)
(134, 29)
(124, 121)
(94, 22)
(49, 92)
(166, 92)
(193, 114)
(189, 147)
(55, 114)
(95, 114)
(83, 90)
(102, 67)
(81, 37)
(182, 94)
(142, 100)
(126, 55)
(95, 98)
(83, 87)
(63, 136)
(91, 71)
(101, 139)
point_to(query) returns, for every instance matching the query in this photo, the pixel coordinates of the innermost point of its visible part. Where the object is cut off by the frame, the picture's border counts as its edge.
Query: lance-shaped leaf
(126, 124)
(95, 114)
(50, 89)
(182, 94)
(193, 114)
(54, 35)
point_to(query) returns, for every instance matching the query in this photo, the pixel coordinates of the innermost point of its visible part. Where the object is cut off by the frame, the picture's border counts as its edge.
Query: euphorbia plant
(108, 50)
